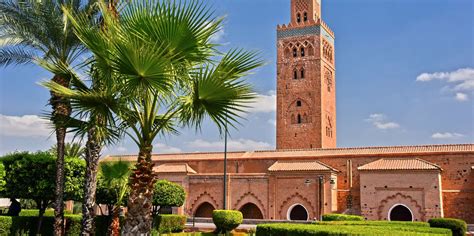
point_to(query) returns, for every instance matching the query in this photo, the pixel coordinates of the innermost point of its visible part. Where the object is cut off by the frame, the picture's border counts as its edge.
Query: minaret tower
(306, 81)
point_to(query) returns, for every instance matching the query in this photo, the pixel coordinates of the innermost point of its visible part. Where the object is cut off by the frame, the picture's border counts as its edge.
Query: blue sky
(404, 76)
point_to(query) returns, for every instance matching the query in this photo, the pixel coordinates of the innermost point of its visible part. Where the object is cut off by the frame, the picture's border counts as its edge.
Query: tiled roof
(299, 166)
(400, 164)
(357, 151)
(174, 168)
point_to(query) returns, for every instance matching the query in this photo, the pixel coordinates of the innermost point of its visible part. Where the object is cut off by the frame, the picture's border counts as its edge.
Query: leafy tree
(167, 194)
(31, 176)
(114, 182)
(163, 65)
(37, 32)
(2, 178)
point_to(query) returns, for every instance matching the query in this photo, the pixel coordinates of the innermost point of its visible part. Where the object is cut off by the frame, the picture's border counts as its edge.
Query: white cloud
(163, 148)
(461, 97)
(460, 80)
(218, 36)
(272, 122)
(264, 103)
(380, 121)
(122, 149)
(447, 135)
(24, 126)
(233, 145)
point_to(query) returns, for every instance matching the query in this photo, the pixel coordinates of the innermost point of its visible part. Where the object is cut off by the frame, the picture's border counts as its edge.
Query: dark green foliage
(342, 217)
(457, 226)
(169, 223)
(27, 225)
(369, 230)
(226, 220)
(2, 177)
(167, 193)
(32, 176)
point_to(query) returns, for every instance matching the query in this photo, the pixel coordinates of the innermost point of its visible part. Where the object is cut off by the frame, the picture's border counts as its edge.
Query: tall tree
(167, 71)
(32, 30)
(31, 176)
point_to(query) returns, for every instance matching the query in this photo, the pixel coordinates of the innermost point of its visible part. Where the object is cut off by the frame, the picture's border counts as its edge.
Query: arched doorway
(204, 210)
(251, 211)
(400, 213)
(297, 212)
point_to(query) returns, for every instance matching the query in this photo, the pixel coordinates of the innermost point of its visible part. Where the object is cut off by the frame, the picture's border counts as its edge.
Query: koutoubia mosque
(307, 175)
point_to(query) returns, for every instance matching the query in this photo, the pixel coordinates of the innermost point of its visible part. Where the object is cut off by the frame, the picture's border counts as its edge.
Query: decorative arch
(296, 199)
(400, 199)
(250, 197)
(299, 111)
(202, 198)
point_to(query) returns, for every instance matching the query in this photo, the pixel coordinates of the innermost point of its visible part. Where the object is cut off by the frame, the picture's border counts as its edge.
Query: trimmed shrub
(375, 223)
(457, 226)
(226, 220)
(35, 212)
(342, 217)
(372, 230)
(27, 225)
(169, 223)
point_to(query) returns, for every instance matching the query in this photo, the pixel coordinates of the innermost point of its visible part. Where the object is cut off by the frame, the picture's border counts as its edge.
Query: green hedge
(375, 223)
(366, 230)
(342, 217)
(458, 227)
(35, 212)
(27, 225)
(169, 223)
(226, 220)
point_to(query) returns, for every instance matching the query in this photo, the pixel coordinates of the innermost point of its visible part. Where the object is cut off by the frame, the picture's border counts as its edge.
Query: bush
(342, 217)
(458, 227)
(226, 220)
(27, 225)
(375, 223)
(368, 230)
(35, 212)
(169, 223)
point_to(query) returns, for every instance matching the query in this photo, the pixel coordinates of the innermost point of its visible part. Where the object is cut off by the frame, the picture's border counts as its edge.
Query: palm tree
(167, 71)
(70, 150)
(115, 176)
(32, 30)
(94, 119)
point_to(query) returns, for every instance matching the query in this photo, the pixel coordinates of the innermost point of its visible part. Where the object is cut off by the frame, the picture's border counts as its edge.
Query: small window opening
(298, 18)
(299, 119)
(295, 74)
(298, 103)
(295, 52)
(305, 16)
(302, 52)
(302, 73)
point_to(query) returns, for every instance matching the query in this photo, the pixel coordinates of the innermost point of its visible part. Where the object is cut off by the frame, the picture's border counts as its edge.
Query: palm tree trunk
(138, 219)
(90, 183)
(41, 204)
(114, 227)
(61, 111)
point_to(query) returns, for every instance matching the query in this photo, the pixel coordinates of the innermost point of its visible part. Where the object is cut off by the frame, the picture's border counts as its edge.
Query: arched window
(305, 17)
(298, 17)
(295, 74)
(302, 73)
(251, 211)
(204, 210)
(297, 212)
(295, 52)
(299, 119)
(298, 103)
(302, 51)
